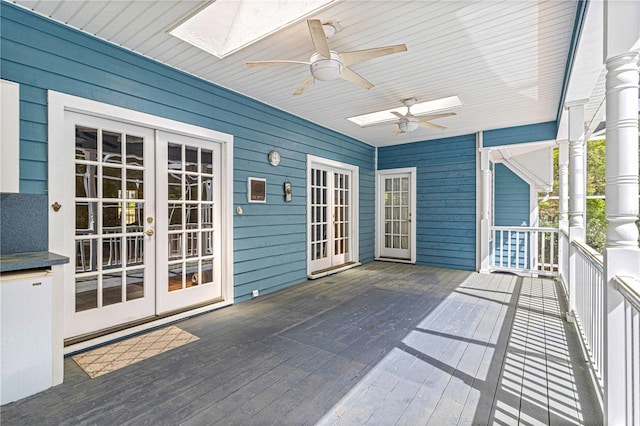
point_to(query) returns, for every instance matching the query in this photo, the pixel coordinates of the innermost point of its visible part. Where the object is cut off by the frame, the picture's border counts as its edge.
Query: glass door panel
(189, 191)
(330, 217)
(113, 278)
(396, 216)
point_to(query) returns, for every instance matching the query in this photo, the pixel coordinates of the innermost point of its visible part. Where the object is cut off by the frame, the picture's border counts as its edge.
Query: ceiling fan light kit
(325, 69)
(326, 64)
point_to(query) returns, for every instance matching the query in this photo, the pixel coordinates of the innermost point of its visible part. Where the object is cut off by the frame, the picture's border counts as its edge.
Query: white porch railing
(589, 304)
(630, 290)
(525, 250)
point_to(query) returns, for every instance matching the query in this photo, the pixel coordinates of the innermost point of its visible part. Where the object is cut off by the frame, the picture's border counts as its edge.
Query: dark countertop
(32, 260)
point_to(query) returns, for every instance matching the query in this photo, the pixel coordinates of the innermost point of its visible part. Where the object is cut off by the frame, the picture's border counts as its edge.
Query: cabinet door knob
(149, 232)
(56, 206)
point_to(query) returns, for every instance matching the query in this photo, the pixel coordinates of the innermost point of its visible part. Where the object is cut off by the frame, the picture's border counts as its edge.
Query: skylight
(422, 108)
(226, 26)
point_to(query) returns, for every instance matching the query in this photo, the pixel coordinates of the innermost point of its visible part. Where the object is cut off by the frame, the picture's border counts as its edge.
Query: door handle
(149, 232)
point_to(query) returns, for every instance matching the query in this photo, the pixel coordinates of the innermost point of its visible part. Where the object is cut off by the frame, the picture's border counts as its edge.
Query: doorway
(144, 222)
(396, 230)
(332, 199)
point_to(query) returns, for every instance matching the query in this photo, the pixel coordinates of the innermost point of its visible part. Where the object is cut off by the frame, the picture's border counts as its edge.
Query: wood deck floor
(380, 344)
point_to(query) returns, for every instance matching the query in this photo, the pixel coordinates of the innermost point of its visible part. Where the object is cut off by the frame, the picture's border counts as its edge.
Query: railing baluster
(517, 264)
(524, 250)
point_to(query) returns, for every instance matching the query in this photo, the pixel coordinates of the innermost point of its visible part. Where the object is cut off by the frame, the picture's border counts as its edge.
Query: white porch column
(485, 212)
(577, 190)
(563, 184)
(577, 175)
(563, 209)
(621, 254)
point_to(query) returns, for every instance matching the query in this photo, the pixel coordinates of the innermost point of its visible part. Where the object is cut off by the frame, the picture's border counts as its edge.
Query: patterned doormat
(112, 357)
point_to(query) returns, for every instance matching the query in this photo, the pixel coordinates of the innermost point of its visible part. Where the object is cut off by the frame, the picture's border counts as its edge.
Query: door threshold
(333, 270)
(394, 259)
(87, 341)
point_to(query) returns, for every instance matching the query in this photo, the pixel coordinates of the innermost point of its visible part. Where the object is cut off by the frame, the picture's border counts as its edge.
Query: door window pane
(86, 181)
(192, 275)
(111, 182)
(135, 250)
(111, 252)
(111, 289)
(135, 150)
(135, 184)
(111, 147)
(207, 161)
(86, 143)
(135, 284)
(175, 277)
(86, 293)
(191, 161)
(174, 157)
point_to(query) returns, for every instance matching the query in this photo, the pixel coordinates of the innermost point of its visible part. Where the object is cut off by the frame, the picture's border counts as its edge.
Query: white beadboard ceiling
(505, 59)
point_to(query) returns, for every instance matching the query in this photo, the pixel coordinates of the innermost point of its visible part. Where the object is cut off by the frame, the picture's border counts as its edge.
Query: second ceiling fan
(408, 122)
(326, 64)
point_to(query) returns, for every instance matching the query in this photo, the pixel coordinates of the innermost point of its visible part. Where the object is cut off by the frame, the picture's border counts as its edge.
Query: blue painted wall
(511, 203)
(270, 240)
(446, 198)
(511, 198)
(520, 134)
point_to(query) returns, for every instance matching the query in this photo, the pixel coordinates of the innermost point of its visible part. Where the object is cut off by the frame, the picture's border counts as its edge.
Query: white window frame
(354, 218)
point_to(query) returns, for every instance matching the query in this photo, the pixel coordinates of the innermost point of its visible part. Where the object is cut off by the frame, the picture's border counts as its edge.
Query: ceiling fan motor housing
(408, 124)
(326, 69)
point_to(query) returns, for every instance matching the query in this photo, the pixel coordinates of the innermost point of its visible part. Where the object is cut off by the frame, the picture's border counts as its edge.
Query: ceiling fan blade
(397, 114)
(301, 88)
(357, 56)
(434, 116)
(428, 125)
(396, 132)
(355, 78)
(319, 38)
(277, 62)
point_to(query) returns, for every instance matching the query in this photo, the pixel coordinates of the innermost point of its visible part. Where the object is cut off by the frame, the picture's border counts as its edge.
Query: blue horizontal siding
(511, 199)
(446, 198)
(269, 239)
(520, 134)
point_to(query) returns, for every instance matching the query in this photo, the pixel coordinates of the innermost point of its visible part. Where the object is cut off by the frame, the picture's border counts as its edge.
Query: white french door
(110, 190)
(140, 213)
(332, 215)
(396, 215)
(189, 246)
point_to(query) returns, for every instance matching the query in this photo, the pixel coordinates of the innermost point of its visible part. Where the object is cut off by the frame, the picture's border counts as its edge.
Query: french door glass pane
(109, 213)
(191, 239)
(396, 218)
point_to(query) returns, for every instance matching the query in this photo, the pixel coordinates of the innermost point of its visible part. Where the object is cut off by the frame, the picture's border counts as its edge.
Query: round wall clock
(274, 158)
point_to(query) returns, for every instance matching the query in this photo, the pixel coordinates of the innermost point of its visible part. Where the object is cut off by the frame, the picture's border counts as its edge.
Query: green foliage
(596, 215)
(596, 156)
(596, 224)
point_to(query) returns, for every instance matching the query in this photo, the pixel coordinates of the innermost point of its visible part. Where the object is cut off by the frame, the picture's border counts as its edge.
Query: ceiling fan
(326, 64)
(408, 122)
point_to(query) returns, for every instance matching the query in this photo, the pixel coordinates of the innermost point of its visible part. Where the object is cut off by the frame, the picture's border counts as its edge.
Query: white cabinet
(26, 334)
(9, 136)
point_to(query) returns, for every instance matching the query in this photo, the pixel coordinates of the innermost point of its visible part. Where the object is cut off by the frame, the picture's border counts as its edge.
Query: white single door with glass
(332, 217)
(396, 215)
(188, 195)
(112, 279)
(146, 209)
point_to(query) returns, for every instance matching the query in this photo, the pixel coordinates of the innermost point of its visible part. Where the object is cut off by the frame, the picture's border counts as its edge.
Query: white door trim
(58, 104)
(413, 173)
(354, 200)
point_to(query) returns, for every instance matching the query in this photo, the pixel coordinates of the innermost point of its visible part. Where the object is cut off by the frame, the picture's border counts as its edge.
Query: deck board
(382, 343)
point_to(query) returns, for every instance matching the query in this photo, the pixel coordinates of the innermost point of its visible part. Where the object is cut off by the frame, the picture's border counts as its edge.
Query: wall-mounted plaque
(256, 190)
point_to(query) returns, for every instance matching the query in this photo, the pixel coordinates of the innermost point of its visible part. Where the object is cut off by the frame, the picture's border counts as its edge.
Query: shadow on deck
(379, 344)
